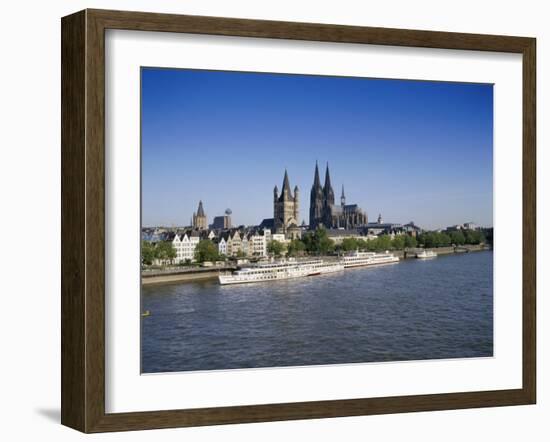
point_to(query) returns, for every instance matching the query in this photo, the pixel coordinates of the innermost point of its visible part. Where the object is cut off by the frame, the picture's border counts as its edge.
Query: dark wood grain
(73, 252)
(529, 221)
(83, 220)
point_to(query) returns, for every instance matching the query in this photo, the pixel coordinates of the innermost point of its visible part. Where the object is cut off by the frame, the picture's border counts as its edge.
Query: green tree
(206, 250)
(147, 253)
(474, 237)
(318, 242)
(410, 241)
(349, 244)
(398, 242)
(481, 237)
(296, 247)
(457, 237)
(361, 243)
(384, 242)
(307, 239)
(275, 248)
(165, 251)
(444, 240)
(427, 239)
(323, 243)
(372, 244)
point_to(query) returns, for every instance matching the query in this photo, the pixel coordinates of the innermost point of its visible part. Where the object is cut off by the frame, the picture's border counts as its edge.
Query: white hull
(426, 255)
(371, 264)
(368, 259)
(263, 274)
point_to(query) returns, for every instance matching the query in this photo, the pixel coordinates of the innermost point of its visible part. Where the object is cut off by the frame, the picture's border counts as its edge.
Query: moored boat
(284, 269)
(426, 254)
(360, 259)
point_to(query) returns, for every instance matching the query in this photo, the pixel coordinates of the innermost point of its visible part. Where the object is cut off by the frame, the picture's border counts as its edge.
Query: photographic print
(303, 220)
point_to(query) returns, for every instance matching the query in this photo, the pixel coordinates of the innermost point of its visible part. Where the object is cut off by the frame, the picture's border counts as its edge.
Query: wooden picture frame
(83, 220)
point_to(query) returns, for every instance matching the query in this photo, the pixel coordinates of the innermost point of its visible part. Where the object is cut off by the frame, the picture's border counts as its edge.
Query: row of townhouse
(231, 243)
(247, 243)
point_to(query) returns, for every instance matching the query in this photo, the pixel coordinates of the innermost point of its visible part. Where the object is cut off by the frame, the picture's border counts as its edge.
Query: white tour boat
(426, 254)
(285, 269)
(359, 259)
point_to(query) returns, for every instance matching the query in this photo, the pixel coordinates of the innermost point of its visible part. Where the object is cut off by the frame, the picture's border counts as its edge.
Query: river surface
(413, 310)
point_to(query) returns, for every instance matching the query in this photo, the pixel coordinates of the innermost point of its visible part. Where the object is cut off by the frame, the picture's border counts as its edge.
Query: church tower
(285, 206)
(343, 198)
(316, 201)
(199, 218)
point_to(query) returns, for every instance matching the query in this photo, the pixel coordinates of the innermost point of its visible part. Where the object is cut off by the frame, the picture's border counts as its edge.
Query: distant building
(208, 235)
(153, 234)
(412, 229)
(382, 228)
(471, 226)
(267, 223)
(338, 235)
(279, 237)
(286, 207)
(455, 227)
(466, 226)
(324, 212)
(199, 218)
(222, 222)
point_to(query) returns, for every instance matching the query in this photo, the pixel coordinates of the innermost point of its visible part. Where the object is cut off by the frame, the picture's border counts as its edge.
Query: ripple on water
(414, 310)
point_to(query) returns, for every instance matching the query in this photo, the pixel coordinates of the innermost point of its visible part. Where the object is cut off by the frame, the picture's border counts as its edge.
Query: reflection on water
(441, 308)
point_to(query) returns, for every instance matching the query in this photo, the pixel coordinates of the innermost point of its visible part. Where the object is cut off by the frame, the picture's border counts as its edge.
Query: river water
(413, 310)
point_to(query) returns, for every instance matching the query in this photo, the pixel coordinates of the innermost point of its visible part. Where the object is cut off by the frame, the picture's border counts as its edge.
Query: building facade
(222, 245)
(185, 243)
(286, 207)
(258, 243)
(324, 212)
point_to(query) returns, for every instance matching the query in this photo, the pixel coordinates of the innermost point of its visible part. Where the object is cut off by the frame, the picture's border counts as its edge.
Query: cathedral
(324, 212)
(286, 208)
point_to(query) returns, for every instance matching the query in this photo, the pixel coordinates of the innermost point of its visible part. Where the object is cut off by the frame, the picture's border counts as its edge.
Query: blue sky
(411, 150)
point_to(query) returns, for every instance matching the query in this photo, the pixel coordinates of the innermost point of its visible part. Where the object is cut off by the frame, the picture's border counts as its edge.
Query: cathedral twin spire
(326, 190)
(322, 197)
(323, 211)
(317, 181)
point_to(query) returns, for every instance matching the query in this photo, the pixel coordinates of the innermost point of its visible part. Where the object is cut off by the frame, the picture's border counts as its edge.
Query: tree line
(162, 251)
(318, 243)
(453, 237)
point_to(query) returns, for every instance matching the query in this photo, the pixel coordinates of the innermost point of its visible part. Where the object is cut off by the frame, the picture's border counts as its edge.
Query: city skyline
(410, 150)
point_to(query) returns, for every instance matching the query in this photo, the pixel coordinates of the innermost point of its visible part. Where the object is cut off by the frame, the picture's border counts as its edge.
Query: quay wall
(441, 250)
(183, 275)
